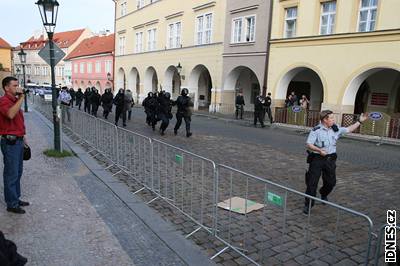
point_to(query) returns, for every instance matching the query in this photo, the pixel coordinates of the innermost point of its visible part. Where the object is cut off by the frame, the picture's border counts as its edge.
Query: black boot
(188, 134)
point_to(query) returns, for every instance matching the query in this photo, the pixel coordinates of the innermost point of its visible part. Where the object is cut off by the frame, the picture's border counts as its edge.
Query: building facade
(37, 70)
(169, 45)
(245, 51)
(92, 63)
(343, 55)
(5, 55)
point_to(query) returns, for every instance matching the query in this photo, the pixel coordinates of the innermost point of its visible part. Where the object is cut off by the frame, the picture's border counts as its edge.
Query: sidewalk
(77, 217)
(249, 121)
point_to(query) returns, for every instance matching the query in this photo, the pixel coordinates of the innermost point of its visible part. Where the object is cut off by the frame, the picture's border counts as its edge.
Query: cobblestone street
(367, 182)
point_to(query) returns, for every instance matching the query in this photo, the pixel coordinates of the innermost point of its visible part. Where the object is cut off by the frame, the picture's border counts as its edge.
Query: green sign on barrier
(274, 199)
(178, 158)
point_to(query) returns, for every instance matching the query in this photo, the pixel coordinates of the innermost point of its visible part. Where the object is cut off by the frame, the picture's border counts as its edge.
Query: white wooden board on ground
(238, 205)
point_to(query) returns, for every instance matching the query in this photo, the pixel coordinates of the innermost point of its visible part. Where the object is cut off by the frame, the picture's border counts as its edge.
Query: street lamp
(22, 59)
(49, 11)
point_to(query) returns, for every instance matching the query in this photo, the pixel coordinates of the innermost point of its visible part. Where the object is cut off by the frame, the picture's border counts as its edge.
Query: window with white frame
(367, 16)
(174, 35)
(139, 42)
(37, 70)
(121, 45)
(204, 29)
(98, 67)
(250, 29)
(140, 3)
(28, 70)
(237, 30)
(123, 8)
(76, 68)
(108, 66)
(290, 22)
(82, 68)
(151, 40)
(243, 29)
(89, 67)
(328, 13)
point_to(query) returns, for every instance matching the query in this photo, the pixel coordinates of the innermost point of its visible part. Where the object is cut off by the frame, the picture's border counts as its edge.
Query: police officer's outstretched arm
(362, 119)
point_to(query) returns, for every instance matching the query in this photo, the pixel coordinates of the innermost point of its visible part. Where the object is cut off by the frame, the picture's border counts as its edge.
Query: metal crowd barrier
(195, 186)
(278, 225)
(186, 181)
(379, 256)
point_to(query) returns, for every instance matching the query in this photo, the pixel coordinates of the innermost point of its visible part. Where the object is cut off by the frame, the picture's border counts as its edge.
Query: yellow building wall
(159, 15)
(5, 58)
(338, 59)
(347, 13)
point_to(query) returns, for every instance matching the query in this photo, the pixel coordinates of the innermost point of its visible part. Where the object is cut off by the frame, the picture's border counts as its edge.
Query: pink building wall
(93, 79)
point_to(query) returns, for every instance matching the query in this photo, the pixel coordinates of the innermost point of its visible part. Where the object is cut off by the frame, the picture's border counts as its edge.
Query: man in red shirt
(12, 132)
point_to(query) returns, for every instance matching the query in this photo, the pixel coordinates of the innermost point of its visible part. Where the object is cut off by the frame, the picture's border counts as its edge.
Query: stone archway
(83, 85)
(121, 79)
(200, 83)
(90, 84)
(245, 80)
(172, 81)
(376, 89)
(134, 83)
(302, 81)
(151, 80)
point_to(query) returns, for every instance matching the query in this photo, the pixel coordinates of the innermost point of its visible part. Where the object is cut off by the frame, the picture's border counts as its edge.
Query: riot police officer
(164, 111)
(147, 109)
(184, 104)
(259, 110)
(321, 145)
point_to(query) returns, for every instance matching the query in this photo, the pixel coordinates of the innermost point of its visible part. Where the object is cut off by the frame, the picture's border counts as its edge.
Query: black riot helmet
(167, 95)
(150, 94)
(184, 92)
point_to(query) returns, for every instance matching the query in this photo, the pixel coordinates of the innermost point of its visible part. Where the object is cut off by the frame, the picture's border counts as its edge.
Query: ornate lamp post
(49, 12)
(22, 59)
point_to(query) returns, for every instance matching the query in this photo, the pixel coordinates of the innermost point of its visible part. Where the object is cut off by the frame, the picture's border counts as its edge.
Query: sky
(20, 18)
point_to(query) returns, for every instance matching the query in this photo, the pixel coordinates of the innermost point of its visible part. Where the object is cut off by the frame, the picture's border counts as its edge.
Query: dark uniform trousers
(164, 121)
(187, 119)
(325, 165)
(259, 115)
(239, 110)
(119, 111)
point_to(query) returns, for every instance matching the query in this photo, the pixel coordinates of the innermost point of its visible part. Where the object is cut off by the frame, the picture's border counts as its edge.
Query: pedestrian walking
(259, 110)
(239, 103)
(119, 107)
(95, 99)
(321, 145)
(184, 104)
(65, 103)
(129, 103)
(106, 102)
(79, 98)
(268, 102)
(12, 131)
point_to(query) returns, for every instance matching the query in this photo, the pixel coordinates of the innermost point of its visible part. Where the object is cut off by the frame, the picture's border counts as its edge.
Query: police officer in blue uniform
(321, 145)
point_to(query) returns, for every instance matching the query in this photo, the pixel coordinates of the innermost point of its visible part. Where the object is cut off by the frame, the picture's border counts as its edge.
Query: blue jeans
(13, 165)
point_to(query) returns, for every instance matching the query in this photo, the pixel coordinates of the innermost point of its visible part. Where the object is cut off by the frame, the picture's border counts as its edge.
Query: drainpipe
(271, 6)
